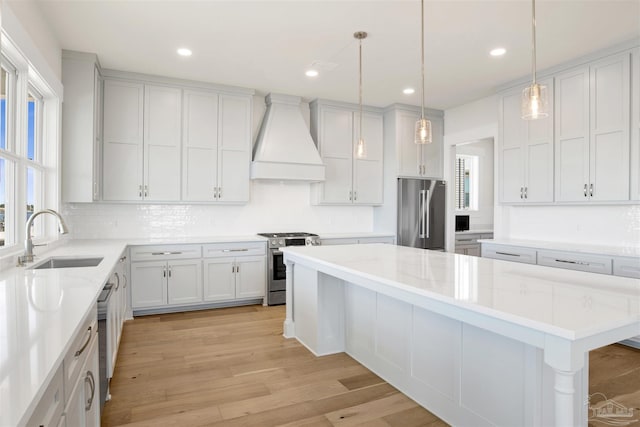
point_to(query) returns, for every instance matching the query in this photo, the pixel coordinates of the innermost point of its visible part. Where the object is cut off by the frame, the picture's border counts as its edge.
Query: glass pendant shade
(423, 131)
(535, 102)
(361, 149)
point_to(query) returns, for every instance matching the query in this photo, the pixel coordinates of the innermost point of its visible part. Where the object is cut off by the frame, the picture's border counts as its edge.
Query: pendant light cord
(422, 48)
(533, 40)
(360, 87)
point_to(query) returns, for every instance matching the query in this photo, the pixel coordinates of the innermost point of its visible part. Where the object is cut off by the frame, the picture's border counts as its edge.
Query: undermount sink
(61, 262)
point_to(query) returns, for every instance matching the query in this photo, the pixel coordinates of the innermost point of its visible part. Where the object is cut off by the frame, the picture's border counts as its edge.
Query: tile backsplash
(274, 207)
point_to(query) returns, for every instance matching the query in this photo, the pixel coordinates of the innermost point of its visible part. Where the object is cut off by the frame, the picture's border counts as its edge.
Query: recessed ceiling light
(409, 91)
(499, 51)
(311, 73)
(183, 51)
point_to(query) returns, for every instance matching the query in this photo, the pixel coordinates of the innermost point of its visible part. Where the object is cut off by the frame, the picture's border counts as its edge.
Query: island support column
(567, 362)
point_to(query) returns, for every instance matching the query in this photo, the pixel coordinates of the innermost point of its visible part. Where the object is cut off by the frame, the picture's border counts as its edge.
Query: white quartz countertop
(40, 312)
(565, 303)
(624, 251)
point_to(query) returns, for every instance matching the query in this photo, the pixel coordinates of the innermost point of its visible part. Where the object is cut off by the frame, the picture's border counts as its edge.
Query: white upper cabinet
(367, 171)
(234, 148)
(123, 140)
(195, 144)
(81, 127)
(526, 155)
(348, 179)
(592, 131)
(162, 136)
(412, 160)
(216, 147)
(635, 125)
(200, 146)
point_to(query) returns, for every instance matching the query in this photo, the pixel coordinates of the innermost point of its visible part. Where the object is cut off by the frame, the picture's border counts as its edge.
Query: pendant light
(423, 126)
(361, 149)
(535, 103)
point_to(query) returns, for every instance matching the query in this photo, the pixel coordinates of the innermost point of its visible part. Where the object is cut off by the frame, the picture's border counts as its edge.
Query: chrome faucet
(28, 243)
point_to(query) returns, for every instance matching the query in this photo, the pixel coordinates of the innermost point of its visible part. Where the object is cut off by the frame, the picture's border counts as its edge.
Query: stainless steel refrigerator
(421, 213)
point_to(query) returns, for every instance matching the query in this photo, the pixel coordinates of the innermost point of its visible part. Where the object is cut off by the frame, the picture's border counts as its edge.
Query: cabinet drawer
(626, 267)
(217, 250)
(385, 240)
(77, 354)
(51, 405)
(509, 253)
(339, 241)
(572, 261)
(467, 239)
(160, 252)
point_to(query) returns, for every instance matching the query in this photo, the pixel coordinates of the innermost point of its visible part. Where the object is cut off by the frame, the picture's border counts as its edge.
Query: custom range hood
(284, 150)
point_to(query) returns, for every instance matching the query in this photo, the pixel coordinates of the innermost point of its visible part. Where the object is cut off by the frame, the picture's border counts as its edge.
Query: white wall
(613, 225)
(27, 27)
(274, 207)
(483, 217)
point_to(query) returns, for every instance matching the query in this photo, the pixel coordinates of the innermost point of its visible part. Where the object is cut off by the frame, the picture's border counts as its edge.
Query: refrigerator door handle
(422, 204)
(426, 213)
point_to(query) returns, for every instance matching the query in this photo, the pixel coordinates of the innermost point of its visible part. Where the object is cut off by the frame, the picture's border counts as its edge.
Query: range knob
(281, 242)
(274, 242)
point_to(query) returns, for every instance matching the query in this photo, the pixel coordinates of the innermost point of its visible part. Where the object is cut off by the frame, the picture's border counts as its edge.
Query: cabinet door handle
(146, 190)
(233, 268)
(84, 346)
(235, 250)
(124, 276)
(585, 190)
(566, 261)
(507, 254)
(164, 271)
(92, 384)
(351, 196)
(166, 253)
(522, 192)
(140, 191)
(219, 192)
(117, 280)
(525, 192)
(169, 271)
(355, 195)
(591, 190)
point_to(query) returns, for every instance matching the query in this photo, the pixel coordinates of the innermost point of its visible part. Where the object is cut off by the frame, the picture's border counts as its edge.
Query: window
(467, 182)
(29, 112)
(4, 118)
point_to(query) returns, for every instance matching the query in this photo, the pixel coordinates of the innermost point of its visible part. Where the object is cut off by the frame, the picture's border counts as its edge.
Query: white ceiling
(267, 45)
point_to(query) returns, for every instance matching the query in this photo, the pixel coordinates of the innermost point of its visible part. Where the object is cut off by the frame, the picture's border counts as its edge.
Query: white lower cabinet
(184, 281)
(158, 283)
(83, 406)
(72, 398)
(234, 277)
(166, 276)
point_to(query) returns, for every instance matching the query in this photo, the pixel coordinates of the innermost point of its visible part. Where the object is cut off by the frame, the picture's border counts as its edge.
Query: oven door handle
(276, 252)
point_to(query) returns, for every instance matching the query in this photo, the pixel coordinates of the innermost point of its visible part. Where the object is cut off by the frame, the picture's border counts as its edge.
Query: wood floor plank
(232, 367)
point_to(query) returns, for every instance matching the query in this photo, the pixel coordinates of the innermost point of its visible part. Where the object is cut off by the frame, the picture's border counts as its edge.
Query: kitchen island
(475, 341)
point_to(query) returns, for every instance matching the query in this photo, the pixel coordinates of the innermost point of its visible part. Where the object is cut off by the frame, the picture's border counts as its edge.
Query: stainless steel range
(277, 270)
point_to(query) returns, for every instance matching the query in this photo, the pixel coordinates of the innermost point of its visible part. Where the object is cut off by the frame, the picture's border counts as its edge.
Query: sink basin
(60, 262)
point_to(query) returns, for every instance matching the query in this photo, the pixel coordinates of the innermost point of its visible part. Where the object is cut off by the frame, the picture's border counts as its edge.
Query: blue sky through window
(31, 129)
(3, 123)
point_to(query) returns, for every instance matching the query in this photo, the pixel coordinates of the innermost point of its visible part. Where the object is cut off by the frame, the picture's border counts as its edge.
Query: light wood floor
(231, 367)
